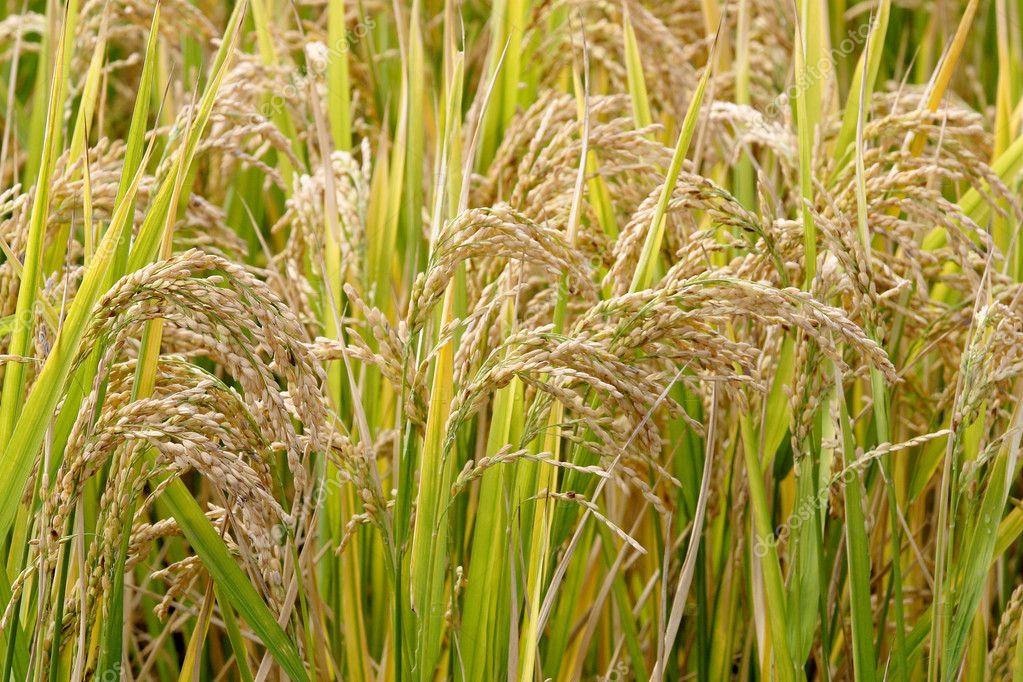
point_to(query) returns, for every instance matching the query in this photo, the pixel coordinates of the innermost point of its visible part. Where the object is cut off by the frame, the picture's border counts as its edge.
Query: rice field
(513, 340)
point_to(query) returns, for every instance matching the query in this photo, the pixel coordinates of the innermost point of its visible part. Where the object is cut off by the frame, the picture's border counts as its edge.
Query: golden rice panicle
(515, 340)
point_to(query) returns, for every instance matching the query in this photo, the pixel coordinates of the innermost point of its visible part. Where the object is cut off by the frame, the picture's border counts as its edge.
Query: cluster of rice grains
(524, 340)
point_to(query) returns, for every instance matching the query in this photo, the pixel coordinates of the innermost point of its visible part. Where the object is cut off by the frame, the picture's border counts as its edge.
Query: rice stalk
(519, 340)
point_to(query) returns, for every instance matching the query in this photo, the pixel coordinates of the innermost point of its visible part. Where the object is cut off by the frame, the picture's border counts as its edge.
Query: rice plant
(511, 340)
